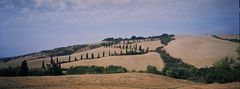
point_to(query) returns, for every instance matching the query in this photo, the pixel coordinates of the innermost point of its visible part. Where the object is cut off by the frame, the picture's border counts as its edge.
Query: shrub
(152, 69)
(96, 69)
(37, 72)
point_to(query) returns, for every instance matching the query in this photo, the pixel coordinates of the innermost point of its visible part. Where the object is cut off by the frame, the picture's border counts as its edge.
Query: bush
(115, 69)
(37, 72)
(96, 69)
(152, 69)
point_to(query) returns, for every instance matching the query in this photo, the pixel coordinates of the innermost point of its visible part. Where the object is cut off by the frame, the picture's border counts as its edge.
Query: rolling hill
(201, 51)
(107, 81)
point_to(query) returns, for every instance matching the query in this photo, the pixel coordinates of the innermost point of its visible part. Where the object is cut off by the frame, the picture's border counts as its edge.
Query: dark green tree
(57, 60)
(147, 50)
(87, 56)
(140, 48)
(152, 69)
(24, 68)
(69, 58)
(92, 56)
(43, 65)
(81, 57)
(103, 54)
(51, 61)
(98, 56)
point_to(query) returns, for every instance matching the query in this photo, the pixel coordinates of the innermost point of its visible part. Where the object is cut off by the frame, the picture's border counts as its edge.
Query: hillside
(201, 51)
(231, 36)
(146, 59)
(106, 81)
(132, 62)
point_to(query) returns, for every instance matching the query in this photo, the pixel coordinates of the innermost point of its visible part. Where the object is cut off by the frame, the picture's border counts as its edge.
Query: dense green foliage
(23, 70)
(225, 70)
(165, 38)
(174, 67)
(96, 69)
(152, 69)
(37, 72)
(232, 40)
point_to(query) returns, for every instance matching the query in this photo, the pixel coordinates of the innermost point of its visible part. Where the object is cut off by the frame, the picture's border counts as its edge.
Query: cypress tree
(103, 54)
(140, 48)
(87, 56)
(69, 58)
(109, 53)
(136, 47)
(98, 55)
(57, 60)
(81, 57)
(24, 68)
(43, 65)
(51, 61)
(147, 49)
(92, 56)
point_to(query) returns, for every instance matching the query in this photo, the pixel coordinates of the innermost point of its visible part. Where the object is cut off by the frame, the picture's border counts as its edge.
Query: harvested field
(201, 51)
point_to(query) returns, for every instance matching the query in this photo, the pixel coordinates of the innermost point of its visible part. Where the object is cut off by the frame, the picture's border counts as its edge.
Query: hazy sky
(33, 25)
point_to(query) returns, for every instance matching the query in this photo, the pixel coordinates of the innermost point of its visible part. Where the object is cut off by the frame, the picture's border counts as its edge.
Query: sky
(32, 25)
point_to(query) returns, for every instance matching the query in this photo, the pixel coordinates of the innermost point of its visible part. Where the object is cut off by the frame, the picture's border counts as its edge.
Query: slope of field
(106, 81)
(131, 62)
(201, 51)
(33, 63)
(230, 36)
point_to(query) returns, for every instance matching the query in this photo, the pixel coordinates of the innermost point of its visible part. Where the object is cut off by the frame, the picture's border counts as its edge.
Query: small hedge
(152, 69)
(96, 69)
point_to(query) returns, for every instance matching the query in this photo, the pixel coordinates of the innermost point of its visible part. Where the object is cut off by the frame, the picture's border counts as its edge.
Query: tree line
(223, 71)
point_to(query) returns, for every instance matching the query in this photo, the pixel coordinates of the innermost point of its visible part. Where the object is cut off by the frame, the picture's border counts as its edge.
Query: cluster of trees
(232, 40)
(51, 69)
(18, 71)
(96, 69)
(225, 70)
(165, 38)
(152, 69)
(125, 50)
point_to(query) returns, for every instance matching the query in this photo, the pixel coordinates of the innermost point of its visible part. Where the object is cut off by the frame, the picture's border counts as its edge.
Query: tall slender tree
(81, 57)
(109, 53)
(87, 56)
(51, 60)
(103, 54)
(24, 68)
(69, 58)
(140, 48)
(57, 60)
(43, 65)
(98, 55)
(147, 49)
(92, 56)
